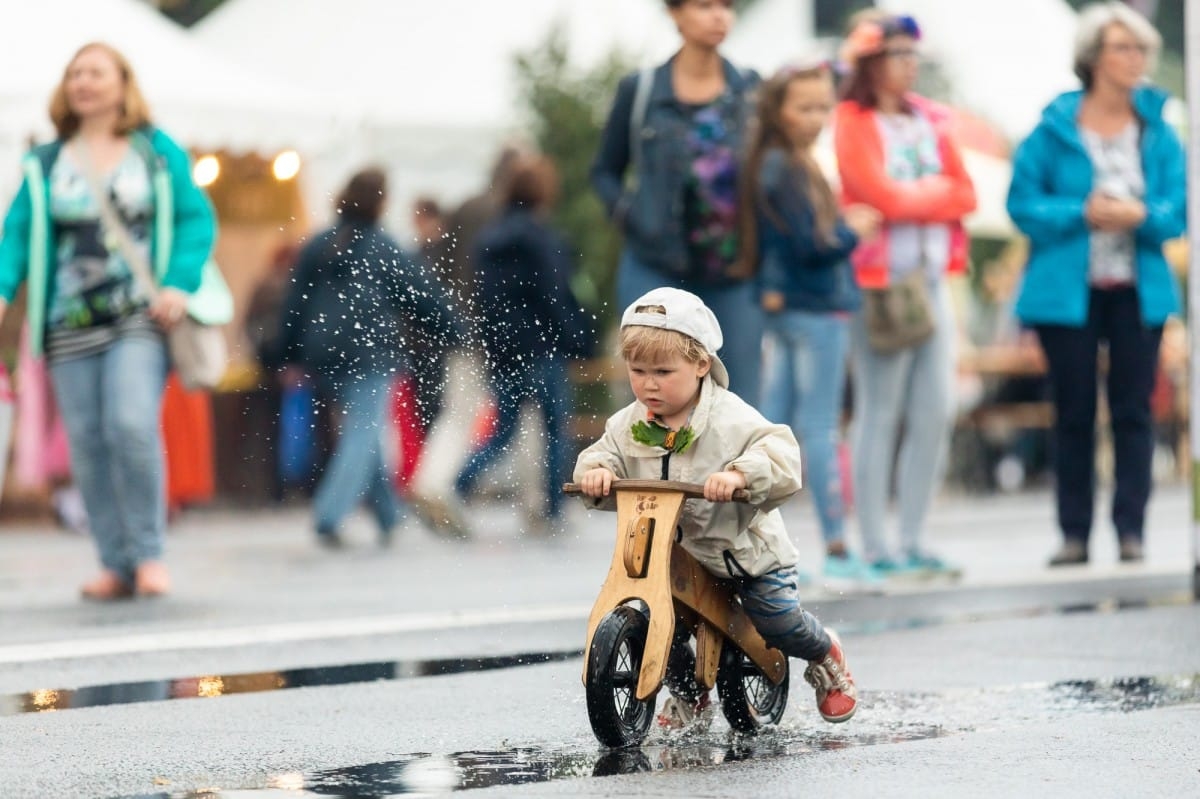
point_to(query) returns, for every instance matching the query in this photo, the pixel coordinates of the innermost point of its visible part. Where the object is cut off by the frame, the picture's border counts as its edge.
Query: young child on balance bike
(686, 425)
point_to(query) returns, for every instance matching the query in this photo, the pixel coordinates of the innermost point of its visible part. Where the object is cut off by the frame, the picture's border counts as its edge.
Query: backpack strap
(637, 118)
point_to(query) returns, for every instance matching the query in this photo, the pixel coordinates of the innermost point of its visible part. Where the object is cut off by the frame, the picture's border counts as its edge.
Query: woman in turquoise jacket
(1099, 187)
(100, 331)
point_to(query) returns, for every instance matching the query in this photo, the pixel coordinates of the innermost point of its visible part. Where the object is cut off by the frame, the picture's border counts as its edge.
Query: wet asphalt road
(1080, 684)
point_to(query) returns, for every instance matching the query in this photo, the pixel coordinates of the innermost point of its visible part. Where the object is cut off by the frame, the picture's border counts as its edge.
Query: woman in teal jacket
(1099, 187)
(101, 332)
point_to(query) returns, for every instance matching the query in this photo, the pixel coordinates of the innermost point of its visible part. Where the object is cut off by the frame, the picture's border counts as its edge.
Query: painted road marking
(285, 632)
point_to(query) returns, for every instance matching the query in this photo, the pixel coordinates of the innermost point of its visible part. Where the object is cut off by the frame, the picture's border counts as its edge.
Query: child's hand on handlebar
(719, 486)
(596, 482)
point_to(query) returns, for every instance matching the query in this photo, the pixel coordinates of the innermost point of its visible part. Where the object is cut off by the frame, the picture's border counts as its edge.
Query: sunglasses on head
(804, 66)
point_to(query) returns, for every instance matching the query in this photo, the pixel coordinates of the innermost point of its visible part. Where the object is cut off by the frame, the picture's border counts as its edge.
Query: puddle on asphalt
(210, 686)
(222, 685)
(884, 718)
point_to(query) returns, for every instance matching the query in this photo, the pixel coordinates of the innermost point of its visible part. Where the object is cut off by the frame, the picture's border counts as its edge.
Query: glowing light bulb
(206, 171)
(286, 165)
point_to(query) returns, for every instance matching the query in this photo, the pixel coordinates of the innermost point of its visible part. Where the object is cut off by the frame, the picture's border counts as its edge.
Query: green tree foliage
(567, 108)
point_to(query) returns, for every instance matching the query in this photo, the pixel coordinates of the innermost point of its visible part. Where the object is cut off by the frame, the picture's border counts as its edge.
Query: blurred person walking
(895, 154)
(791, 228)
(101, 333)
(531, 326)
(344, 323)
(419, 392)
(467, 221)
(1098, 187)
(667, 172)
(464, 405)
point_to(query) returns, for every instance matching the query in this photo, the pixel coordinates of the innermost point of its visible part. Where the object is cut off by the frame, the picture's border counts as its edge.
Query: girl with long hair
(792, 228)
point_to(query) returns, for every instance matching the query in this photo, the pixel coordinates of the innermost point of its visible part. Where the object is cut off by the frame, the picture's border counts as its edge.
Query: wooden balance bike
(651, 586)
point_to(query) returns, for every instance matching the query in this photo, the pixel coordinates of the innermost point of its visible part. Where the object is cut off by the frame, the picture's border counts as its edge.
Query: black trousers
(1114, 317)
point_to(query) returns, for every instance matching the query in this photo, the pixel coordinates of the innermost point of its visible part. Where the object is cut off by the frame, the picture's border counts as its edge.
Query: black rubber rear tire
(618, 718)
(749, 700)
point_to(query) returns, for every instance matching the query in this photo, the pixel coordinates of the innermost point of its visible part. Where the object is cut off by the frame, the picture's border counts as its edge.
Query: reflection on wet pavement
(221, 685)
(884, 718)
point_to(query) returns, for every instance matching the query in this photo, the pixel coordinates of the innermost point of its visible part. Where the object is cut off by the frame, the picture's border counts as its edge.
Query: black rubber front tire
(618, 718)
(749, 699)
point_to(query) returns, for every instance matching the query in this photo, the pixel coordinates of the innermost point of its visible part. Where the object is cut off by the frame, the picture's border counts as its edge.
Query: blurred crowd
(400, 370)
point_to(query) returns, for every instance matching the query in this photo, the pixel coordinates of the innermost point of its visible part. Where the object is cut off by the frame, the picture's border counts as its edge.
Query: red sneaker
(837, 697)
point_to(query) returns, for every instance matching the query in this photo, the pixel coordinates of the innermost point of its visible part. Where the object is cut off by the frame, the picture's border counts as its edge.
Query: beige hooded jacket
(730, 538)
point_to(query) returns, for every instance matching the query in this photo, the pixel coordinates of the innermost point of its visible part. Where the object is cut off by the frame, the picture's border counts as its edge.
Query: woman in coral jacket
(894, 154)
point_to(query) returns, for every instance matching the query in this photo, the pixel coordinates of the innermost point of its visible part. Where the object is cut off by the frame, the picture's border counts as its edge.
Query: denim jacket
(649, 210)
(811, 274)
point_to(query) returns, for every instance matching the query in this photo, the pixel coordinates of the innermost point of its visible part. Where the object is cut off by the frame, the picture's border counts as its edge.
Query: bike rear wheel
(617, 716)
(749, 700)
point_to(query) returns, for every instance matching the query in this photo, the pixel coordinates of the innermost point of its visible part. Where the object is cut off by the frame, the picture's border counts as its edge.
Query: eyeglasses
(1128, 48)
(903, 54)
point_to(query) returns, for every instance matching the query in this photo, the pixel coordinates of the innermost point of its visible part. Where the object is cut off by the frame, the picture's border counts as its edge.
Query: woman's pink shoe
(151, 579)
(106, 587)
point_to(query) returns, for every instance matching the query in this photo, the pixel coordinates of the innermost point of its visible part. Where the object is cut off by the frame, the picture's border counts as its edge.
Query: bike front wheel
(617, 716)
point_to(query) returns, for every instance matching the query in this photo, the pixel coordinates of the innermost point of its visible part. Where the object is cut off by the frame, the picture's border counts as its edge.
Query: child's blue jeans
(772, 601)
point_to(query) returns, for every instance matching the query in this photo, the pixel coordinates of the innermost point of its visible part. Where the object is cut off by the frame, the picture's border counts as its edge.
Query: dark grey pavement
(1016, 680)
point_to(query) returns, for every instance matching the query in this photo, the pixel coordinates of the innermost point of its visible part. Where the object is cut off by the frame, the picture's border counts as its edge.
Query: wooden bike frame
(648, 566)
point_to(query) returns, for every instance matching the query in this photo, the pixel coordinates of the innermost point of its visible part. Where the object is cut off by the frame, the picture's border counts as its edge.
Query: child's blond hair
(655, 344)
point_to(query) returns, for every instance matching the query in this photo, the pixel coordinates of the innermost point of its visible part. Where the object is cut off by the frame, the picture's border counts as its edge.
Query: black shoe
(1071, 553)
(1131, 550)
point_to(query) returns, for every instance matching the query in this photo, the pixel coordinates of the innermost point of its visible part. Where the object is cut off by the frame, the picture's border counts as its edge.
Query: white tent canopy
(417, 63)
(428, 88)
(195, 94)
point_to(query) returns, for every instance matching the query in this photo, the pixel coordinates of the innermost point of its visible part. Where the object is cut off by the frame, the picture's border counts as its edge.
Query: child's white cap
(683, 312)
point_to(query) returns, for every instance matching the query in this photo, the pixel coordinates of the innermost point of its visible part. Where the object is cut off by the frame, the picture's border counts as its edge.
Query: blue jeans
(772, 601)
(357, 471)
(915, 386)
(735, 306)
(543, 381)
(803, 387)
(111, 405)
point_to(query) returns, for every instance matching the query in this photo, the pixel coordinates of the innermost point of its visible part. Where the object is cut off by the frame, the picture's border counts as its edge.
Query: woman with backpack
(667, 172)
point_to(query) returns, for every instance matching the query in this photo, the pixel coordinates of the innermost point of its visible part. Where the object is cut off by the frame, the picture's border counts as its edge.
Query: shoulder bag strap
(137, 262)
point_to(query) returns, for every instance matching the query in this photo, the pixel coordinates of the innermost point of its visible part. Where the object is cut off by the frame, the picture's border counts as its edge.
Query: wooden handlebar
(689, 490)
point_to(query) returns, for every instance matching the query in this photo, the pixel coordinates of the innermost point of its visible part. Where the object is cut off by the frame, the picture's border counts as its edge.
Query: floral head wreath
(869, 38)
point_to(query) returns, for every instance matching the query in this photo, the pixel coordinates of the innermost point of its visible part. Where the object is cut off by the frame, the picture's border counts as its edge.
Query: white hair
(1094, 20)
